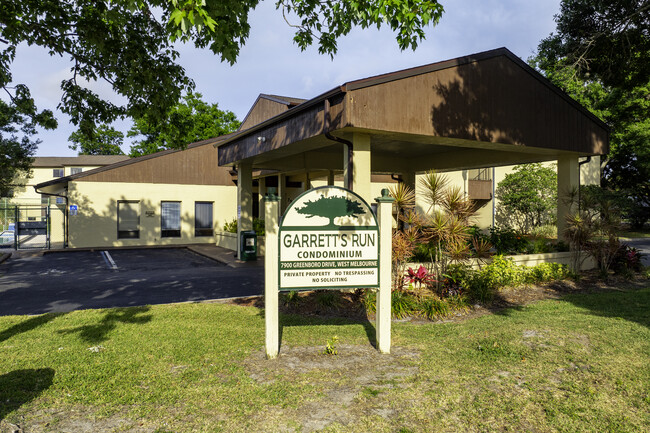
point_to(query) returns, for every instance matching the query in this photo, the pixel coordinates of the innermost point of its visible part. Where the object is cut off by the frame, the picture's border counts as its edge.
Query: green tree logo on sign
(332, 207)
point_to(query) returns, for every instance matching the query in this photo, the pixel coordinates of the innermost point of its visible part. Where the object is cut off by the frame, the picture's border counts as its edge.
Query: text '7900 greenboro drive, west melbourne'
(328, 238)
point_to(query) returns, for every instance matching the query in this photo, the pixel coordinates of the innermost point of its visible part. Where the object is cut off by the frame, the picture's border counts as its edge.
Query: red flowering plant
(419, 279)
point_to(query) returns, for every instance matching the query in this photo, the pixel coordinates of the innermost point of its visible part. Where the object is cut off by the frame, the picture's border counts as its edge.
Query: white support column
(567, 183)
(383, 315)
(261, 192)
(358, 162)
(244, 201)
(282, 192)
(330, 177)
(272, 324)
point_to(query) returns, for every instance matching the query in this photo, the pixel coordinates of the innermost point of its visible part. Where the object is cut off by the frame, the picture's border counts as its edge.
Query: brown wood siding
(494, 101)
(263, 110)
(306, 124)
(192, 166)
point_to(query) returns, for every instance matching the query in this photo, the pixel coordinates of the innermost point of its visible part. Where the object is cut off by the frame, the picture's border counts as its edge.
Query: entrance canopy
(487, 109)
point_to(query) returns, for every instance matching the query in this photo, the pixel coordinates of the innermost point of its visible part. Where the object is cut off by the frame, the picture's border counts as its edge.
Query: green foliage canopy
(187, 122)
(604, 40)
(527, 197)
(129, 45)
(19, 116)
(600, 55)
(107, 141)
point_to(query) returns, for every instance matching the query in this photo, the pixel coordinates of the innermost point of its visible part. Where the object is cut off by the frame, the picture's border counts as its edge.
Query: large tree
(605, 40)
(18, 121)
(129, 45)
(600, 55)
(188, 121)
(106, 141)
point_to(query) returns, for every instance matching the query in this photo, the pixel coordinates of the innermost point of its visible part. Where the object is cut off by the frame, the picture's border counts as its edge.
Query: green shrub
(545, 231)
(540, 246)
(291, 298)
(370, 301)
(547, 272)
(422, 253)
(258, 226)
(507, 241)
(433, 308)
(403, 304)
(501, 272)
(230, 227)
(328, 299)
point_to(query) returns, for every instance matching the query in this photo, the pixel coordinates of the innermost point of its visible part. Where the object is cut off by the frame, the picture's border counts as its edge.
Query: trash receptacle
(248, 246)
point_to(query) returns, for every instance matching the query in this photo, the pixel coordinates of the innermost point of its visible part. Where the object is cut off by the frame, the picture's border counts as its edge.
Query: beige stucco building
(45, 169)
(462, 116)
(170, 197)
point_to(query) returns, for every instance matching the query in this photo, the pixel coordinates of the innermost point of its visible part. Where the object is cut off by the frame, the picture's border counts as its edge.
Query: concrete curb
(4, 256)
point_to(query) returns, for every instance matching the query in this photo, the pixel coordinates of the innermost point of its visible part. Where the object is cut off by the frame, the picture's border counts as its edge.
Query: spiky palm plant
(433, 185)
(404, 197)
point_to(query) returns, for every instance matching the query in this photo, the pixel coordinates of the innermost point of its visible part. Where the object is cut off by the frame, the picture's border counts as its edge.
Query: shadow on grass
(309, 313)
(631, 305)
(22, 386)
(99, 332)
(28, 325)
(628, 300)
(287, 320)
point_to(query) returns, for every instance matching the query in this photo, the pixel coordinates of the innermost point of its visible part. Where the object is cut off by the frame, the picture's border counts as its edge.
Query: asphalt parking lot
(74, 280)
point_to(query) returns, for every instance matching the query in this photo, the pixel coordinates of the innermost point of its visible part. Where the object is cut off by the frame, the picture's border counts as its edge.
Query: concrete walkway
(224, 256)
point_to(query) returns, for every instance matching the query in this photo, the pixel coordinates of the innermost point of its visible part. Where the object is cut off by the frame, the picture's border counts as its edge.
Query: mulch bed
(349, 304)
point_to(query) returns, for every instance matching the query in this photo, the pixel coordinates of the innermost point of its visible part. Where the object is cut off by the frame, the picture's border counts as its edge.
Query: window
(128, 219)
(170, 219)
(203, 218)
(75, 170)
(58, 172)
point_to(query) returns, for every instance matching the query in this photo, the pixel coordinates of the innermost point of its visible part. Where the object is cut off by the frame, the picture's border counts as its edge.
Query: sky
(271, 63)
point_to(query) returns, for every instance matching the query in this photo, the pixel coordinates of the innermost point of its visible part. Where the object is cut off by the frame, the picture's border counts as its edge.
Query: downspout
(65, 212)
(326, 132)
(494, 202)
(579, 180)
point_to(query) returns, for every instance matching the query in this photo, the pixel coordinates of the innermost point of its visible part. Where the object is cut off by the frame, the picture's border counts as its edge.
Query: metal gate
(25, 227)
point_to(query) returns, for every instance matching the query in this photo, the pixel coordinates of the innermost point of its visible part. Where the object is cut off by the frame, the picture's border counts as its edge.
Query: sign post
(383, 315)
(272, 325)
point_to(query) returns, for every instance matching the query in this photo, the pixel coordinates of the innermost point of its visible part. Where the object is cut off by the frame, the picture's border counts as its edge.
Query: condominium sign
(328, 238)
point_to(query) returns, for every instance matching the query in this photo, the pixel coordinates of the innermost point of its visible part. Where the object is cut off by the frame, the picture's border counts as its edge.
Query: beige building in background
(170, 197)
(47, 168)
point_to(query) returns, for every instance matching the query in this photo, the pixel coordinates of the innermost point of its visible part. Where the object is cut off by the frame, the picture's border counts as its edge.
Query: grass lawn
(580, 364)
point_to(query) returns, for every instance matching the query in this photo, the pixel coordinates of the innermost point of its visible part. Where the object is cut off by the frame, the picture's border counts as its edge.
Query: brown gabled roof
(284, 99)
(130, 161)
(287, 101)
(81, 160)
(412, 72)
